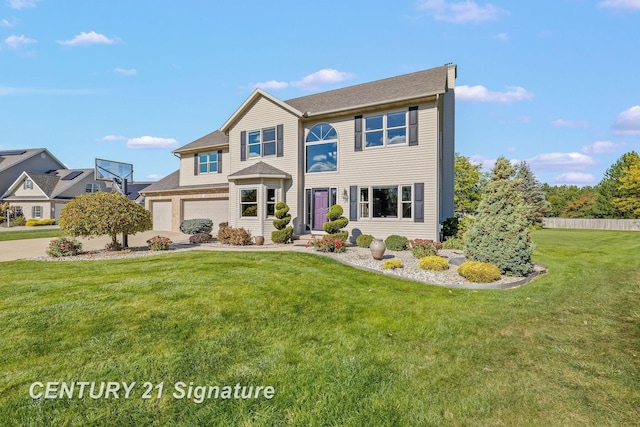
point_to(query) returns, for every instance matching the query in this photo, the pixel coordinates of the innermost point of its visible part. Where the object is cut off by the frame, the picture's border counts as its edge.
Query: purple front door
(320, 208)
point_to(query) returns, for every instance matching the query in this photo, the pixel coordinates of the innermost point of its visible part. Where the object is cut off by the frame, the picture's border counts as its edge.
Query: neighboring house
(134, 191)
(382, 150)
(43, 195)
(14, 162)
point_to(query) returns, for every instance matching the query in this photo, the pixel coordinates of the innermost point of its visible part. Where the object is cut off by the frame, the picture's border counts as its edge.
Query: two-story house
(14, 162)
(383, 150)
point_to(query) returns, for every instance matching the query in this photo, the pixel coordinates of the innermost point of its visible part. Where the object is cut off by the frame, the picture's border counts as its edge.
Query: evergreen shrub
(284, 232)
(396, 242)
(364, 240)
(479, 272)
(433, 263)
(196, 225)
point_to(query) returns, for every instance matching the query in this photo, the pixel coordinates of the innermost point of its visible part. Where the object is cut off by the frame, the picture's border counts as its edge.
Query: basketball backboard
(108, 170)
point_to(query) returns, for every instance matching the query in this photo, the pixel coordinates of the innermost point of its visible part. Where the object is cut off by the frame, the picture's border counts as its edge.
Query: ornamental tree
(499, 234)
(336, 223)
(102, 213)
(284, 232)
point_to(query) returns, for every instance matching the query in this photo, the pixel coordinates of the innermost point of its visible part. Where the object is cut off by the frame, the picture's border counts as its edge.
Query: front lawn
(339, 346)
(36, 233)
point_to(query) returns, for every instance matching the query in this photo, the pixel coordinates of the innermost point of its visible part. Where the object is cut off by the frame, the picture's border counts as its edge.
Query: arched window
(322, 149)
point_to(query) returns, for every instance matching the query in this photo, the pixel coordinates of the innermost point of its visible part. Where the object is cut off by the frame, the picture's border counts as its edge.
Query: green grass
(340, 346)
(30, 234)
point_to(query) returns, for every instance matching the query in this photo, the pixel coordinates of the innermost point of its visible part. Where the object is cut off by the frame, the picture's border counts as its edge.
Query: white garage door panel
(161, 215)
(215, 210)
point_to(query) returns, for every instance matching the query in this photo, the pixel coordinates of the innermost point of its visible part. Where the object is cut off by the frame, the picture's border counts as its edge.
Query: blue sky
(555, 83)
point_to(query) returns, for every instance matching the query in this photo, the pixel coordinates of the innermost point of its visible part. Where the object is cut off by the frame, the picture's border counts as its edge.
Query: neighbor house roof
(171, 183)
(259, 170)
(54, 182)
(9, 158)
(395, 89)
(213, 140)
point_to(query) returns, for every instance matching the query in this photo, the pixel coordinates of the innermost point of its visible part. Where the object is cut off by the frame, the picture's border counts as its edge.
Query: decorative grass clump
(392, 264)
(479, 272)
(364, 240)
(433, 263)
(396, 243)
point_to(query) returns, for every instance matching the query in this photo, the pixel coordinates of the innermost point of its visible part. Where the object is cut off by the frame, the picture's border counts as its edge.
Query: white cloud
(270, 85)
(461, 12)
(126, 72)
(570, 124)
(7, 24)
(16, 42)
(575, 178)
(86, 39)
(602, 147)
(502, 37)
(151, 142)
(109, 138)
(628, 122)
(482, 94)
(153, 177)
(319, 158)
(620, 4)
(321, 77)
(21, 4)
(559, 161)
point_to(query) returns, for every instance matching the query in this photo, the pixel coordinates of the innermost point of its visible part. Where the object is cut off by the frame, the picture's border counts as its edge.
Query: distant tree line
(617, 195)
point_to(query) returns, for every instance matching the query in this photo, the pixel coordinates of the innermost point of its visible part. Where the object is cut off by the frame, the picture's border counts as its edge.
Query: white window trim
(241, 203)
(208, 163)
(28, 184)
(324, 141)
(33, 211)
(266, 201)
(385, 130)
(399, 217)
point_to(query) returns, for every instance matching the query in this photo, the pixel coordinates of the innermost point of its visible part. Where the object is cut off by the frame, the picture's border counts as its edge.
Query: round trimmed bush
(336, 221)
(433, 263)
(196, 225)
(364, 240)
(396, 243)
(479, 272)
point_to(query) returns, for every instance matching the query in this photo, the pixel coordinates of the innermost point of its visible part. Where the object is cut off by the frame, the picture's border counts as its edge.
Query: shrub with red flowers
(64, 246)
(329, 244)
(421, 248)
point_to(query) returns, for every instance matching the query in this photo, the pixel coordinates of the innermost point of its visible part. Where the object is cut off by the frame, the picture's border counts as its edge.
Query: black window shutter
(353, 203)
(413, 125)
(418, 195)
(195, 164)
(358, 136)
(243, 146)
(279, 141)
(219, 161)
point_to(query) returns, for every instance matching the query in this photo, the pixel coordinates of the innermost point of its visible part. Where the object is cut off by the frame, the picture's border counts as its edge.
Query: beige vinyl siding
(188, 177)
(33, 192)
(385, 166)
(264, 114)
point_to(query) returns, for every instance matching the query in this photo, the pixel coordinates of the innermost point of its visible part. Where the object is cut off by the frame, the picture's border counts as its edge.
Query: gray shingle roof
(7, 161)
(407, 86)
(260, 169)
(171, 182)
(212, 140)
(52, 184)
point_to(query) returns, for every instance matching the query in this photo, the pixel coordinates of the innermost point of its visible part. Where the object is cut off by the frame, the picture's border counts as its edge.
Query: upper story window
(262, 142)
(208, 162)
(91, 188)
(322, 149)
(386, 129)
(28, 184)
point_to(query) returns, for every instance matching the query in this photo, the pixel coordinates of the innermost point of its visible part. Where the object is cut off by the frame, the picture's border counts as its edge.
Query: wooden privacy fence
(593, 223)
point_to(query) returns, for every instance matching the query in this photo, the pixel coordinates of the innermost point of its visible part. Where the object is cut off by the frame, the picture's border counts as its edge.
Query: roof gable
(9, 160)
(259, 170)
(246, 105)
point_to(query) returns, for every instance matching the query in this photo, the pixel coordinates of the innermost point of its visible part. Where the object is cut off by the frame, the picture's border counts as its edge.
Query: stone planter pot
(377, 248)
(259, 240)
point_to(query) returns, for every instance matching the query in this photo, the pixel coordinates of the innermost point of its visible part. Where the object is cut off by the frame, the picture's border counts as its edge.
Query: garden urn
(259, 240)
(377, 248)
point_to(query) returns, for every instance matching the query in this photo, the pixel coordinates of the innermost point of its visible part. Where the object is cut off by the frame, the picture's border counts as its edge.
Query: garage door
(161, 213)
(215, 210)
